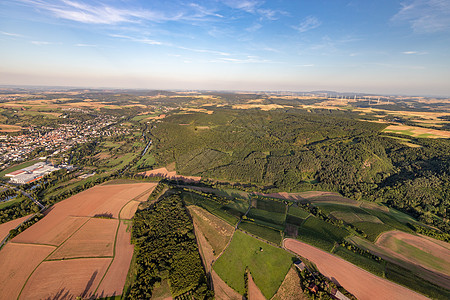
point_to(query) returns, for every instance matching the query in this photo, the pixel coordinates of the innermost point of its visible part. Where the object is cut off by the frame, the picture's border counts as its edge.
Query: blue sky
(382, 46)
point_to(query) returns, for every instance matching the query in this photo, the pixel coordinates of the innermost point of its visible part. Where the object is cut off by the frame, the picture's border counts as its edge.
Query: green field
(271, 217)
(271, 205)
(11, 202)
(407, 278)
(211, 206)
(320, 233)
(298, 212)
(366, 263)
(263, 232)
(268, 267)
(373, 230)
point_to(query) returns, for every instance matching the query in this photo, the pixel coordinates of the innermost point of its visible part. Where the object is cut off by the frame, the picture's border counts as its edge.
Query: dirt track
(362, 284)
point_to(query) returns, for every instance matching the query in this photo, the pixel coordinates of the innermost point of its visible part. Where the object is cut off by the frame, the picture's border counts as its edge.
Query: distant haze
(385, 46)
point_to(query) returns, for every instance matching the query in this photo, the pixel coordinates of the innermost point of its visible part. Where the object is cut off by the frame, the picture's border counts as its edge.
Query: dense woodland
(300, 150)
(166, 249)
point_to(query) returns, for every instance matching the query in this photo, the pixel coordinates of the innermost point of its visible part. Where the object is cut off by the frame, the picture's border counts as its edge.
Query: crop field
(373, 230)
(239, 205)
(18, 261)
(362, 284)
(266, 233)
(275, 206)
(268, 265)
(298, 212)
(271, 217)
(94, 239)
(69, 251)
(417, 131)
(426, 252)
(6, 227)
(320, 233)
(211, 206)
(366, 263)
(114, 280)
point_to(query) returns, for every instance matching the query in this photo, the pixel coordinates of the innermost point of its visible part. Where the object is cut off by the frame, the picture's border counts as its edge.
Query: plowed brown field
(129, 210)
(6, 227)
(17, 262)
(362, 284)
(114, 280)
(94, 239)
(163, 172)
(66, 279)
(73, 232)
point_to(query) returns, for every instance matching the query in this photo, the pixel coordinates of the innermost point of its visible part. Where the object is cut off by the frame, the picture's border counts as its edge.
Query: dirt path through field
(254, 293)
(362, 284)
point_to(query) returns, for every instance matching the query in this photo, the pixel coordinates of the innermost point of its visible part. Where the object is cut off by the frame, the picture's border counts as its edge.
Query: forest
(166, 249)
(299, 150)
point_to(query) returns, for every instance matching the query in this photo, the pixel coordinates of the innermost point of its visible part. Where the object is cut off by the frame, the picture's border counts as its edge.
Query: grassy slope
(268, 267)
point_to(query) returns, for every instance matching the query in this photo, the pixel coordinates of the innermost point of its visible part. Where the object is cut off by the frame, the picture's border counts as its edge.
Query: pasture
(266, 233)
(268, 264)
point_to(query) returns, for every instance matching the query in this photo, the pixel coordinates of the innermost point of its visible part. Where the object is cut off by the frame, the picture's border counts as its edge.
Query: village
(52, 141)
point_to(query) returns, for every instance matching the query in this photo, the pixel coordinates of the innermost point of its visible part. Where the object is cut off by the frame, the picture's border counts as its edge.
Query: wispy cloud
(246, 60)
(414, 52)
(41, 43)
(85, 45)
(254, 27)
(425, 16)
(101, 13)
(308, 23)
(245, 5)
(11, 34)
(138, 40)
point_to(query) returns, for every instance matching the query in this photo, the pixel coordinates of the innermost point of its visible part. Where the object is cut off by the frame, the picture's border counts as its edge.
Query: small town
(17, 148)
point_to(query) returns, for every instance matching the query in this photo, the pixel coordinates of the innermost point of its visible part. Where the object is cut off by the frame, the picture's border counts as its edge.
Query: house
(300, 265)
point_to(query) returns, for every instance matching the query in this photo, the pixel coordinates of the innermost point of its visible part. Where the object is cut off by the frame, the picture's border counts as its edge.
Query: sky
(382, 46)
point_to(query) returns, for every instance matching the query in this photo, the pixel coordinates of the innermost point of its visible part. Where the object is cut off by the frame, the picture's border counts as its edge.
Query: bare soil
(222, 290)
(94, 239)
(51, 230)
(129, 210)
(362, 284)
(254, 293)
(290, 289)
(66, 279)
(17, 261)
(115, 278)
(6, 227)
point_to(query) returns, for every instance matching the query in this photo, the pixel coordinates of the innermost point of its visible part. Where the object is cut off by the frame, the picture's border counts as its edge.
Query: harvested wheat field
(114, 280)
(163, 172)
(254, 293)
(74, 232)
(425, 252)
(17, 262)
(93, 239)
(9, 128)
(362, 284)
(51, 230)
(6, 227)
(129, 210)
(66, 279)
(290, 289)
